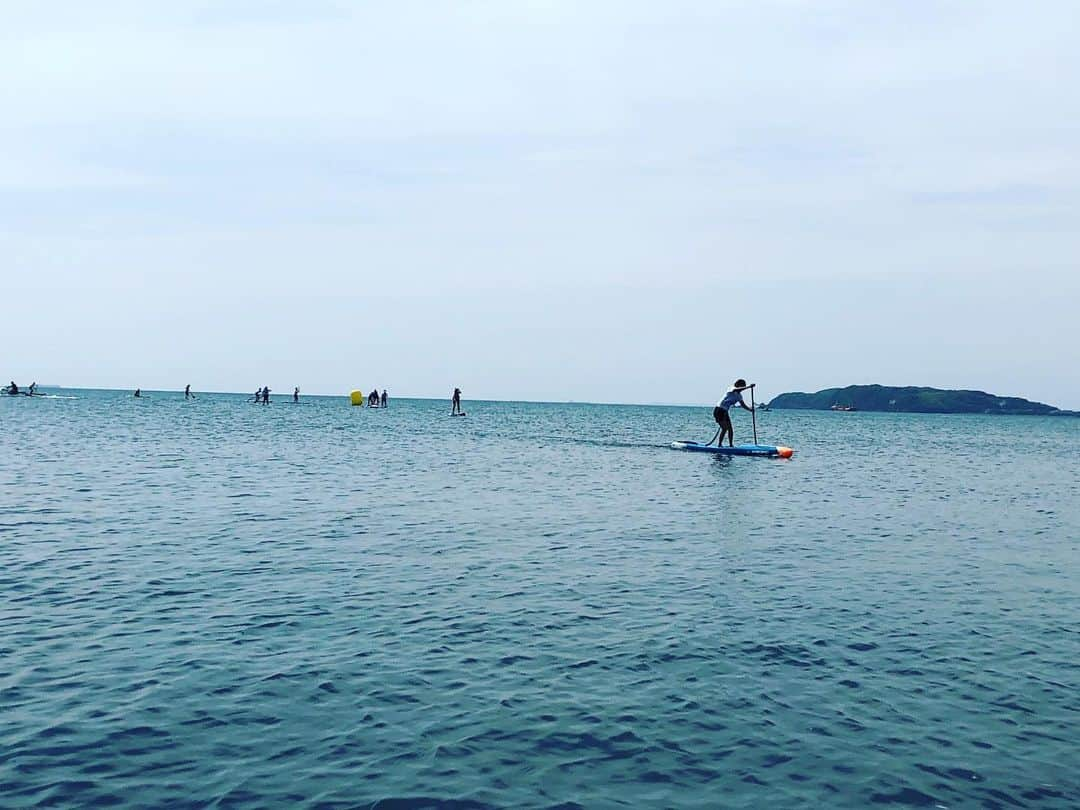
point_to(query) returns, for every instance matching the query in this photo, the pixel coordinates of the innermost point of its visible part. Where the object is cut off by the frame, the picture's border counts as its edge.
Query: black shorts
(722, 417)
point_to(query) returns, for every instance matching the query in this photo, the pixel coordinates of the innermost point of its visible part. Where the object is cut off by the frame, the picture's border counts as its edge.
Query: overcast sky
(607, 200)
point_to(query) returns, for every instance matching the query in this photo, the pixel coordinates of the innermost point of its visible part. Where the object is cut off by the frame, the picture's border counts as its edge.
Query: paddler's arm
(741, 401)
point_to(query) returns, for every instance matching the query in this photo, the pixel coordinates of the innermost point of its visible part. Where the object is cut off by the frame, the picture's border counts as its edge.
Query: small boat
(843, 408)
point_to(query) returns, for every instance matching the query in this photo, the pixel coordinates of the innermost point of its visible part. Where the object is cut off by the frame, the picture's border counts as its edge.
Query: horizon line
(286, 393)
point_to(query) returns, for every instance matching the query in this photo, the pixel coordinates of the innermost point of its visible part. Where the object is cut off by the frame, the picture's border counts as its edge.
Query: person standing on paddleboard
(296, 394)
(731, 399)
(187, 391)
(455, 402)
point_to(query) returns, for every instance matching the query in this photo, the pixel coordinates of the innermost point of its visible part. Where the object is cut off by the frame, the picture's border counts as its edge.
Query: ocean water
(212, 603)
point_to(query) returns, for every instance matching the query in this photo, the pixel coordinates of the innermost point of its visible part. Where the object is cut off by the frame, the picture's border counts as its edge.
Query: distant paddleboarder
(187, 391)
(296, 394)
(33, 388)
(733, 398)
(455, 403)
(266, 395)
(384, 398)
(138, 393)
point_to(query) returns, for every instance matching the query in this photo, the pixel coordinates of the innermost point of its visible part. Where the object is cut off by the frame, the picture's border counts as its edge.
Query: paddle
(753, 411)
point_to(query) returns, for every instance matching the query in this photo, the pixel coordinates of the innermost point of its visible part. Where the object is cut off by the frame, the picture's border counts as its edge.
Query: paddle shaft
(753, 412)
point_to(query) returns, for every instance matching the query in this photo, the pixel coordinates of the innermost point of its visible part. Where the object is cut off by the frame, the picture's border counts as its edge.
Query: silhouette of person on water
(138, 393)
(12, 388)
(296, 394)
(733, 398)
(33, 388)
(187, 391)
(266, 395)
(384, 398)
(455, 402)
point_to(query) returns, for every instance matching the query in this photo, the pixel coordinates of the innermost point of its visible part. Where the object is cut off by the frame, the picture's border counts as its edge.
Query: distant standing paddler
(266, 395)
(187, 391)
(138, 393)
(33, 388)
(455, 403)
(296, 394)
(384, 398)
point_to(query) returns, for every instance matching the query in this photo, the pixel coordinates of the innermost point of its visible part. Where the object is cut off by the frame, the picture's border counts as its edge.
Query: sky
(609, 201)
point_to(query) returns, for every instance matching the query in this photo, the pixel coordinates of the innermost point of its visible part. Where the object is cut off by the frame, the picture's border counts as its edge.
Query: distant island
(911, 399)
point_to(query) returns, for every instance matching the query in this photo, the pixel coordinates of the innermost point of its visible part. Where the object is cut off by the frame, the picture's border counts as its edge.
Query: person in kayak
(731, 399)
(455, 402)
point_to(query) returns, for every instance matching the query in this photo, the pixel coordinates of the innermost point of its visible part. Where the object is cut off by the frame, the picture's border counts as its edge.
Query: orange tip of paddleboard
(784, 452)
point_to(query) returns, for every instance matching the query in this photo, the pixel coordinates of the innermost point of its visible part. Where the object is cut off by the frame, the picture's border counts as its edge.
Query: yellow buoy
(356, 397)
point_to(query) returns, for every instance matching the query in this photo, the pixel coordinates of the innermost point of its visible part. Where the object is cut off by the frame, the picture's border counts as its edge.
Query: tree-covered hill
(910, 400)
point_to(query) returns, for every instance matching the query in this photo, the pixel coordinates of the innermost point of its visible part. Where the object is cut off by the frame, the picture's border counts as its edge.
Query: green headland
(910, 399)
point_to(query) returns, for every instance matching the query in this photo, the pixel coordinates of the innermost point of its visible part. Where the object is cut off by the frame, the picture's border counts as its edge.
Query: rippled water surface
(211, 602)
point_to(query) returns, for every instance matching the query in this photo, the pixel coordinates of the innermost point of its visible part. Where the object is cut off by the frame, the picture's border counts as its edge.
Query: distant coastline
(912, 399)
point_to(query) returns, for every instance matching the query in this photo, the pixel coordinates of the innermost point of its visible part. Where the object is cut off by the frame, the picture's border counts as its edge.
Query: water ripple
(210, 604)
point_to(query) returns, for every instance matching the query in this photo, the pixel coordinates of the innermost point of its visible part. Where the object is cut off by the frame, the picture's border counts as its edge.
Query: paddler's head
(740, 383)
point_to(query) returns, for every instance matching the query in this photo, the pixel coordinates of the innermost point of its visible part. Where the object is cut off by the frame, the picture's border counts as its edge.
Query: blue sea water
(211, 603)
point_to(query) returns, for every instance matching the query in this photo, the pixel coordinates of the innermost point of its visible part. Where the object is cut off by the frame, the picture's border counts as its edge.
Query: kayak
(767, 450)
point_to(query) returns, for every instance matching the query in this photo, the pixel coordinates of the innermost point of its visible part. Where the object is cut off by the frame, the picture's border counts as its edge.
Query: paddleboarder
(384, 398)
(455, 403)
(296, 394)
(733, 398)
(187, 391)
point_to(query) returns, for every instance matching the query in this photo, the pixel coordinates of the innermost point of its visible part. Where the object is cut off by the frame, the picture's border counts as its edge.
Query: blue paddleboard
(738, 450)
